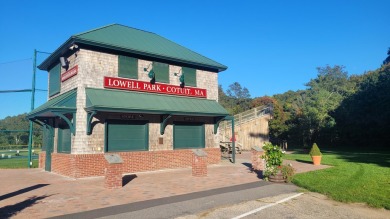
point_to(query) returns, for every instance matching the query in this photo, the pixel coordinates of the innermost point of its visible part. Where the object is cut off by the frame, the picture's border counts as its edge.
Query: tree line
(14, 131)
(335, 110)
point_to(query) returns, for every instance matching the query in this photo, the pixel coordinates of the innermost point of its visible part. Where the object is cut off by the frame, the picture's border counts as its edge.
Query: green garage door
(126, 136)
(188, 135)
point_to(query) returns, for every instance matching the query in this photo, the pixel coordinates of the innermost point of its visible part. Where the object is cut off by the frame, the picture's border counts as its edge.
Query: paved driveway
(35, 193)
(301, 206)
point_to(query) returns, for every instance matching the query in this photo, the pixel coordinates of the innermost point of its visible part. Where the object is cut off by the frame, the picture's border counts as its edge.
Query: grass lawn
(355, 177)
(22, 152)
(17, 161)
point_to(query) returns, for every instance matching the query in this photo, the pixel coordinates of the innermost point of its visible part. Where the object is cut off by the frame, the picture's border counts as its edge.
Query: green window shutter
(188, 135)
(189, 76)
(161, 71)
(54, 80)
(127, 67)
(64, 139)
(127, 136)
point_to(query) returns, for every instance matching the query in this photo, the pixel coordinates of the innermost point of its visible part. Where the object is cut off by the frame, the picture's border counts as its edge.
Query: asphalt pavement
(191, 203)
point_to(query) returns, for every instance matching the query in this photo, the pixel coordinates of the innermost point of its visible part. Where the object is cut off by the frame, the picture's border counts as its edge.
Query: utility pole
(30, 139)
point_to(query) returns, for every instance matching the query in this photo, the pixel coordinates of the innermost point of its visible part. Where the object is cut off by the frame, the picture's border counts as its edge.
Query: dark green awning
(64, 103)
(137, 102)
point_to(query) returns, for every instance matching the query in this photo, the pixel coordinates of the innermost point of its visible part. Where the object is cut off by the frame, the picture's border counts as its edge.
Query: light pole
(30, 138)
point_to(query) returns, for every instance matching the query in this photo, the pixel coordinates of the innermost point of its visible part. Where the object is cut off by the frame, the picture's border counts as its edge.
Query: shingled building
(117, 89)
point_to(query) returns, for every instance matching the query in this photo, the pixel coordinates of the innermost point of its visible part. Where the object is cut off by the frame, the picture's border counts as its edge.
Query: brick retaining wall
(88, 165)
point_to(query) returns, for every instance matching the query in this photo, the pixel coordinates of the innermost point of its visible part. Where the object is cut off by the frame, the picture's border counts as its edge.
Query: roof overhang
(105, 100)
(62, 104)
(53, 59)
(128, 49)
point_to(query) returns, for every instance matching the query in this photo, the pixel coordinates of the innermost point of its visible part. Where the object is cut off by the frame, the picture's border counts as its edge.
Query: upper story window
(54, 80)
(189, 76)
(127, 67)
(161, 71)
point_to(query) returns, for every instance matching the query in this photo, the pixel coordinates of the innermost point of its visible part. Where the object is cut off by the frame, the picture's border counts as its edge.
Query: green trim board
(90, 116)
(49, 141)
(71, 124)
(64, 139)
(188, 135)
(129, 101)
(126, 135)
(134, 41)
(64, 103)
(164, 123)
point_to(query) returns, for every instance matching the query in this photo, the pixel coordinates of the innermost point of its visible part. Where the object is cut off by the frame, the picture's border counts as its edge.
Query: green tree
(363, 119)
(277, 125)
(236, 99)
(240, 98)
(18, 122)
(324, 95)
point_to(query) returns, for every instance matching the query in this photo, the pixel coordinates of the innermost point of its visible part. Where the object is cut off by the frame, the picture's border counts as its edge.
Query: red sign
(70, 73)
(133, 85)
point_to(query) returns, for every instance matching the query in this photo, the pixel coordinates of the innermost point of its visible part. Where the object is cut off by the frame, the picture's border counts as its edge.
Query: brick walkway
(34, 193)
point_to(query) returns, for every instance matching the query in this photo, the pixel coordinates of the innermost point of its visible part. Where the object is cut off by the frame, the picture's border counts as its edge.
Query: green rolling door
(48, 142)
(188, 135)
(127, 136)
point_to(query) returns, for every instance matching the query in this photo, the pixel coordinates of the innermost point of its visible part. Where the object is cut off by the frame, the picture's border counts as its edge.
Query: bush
(272, 155)
(315, 151)
(273, 159)
(288, 172)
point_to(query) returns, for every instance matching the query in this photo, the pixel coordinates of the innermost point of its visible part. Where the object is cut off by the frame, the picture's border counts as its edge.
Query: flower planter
(278, 177)
(316, 160)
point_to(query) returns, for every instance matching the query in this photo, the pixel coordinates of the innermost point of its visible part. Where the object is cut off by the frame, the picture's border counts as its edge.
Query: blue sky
(269, 46)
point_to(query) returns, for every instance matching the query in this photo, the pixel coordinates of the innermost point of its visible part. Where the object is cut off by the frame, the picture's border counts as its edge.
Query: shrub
(273, 159)
(272, 155)
(315, 151)
(288, 172)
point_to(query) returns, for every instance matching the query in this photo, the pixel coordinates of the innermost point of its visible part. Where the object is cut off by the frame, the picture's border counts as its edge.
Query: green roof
(133, 41)
(128, 101)
(65, 102)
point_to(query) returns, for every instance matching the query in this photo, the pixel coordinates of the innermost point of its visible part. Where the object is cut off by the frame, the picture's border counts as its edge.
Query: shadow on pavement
(128, 178)
(21, 191)
(259, 173)
(11, 210)
(304, 161)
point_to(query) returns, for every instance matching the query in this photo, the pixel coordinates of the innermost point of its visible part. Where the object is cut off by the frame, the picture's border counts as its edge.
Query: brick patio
(46, 194)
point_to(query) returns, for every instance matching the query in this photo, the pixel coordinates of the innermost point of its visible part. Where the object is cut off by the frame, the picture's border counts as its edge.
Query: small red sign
(70, 73)
(142, 86)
